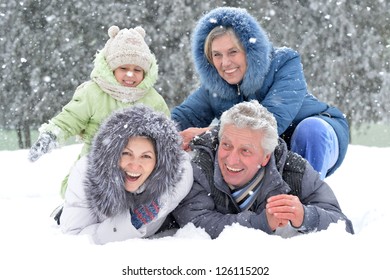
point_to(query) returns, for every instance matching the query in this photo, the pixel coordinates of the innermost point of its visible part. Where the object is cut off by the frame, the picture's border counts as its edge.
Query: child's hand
(45, 143)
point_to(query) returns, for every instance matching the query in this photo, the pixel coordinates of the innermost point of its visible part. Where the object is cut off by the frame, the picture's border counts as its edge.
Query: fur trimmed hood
(104, 184)
(256, 44)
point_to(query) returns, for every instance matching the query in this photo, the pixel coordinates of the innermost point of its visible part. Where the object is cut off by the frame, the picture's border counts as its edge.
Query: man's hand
(282, 208)
(189, 134)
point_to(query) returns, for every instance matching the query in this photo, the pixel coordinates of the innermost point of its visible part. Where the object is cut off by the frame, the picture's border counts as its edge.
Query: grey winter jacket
(200, 208)
(96, 202)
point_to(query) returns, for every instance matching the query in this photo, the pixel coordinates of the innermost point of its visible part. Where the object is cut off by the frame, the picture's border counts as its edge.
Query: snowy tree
(345, 51)
(40, 41)
(47, 49)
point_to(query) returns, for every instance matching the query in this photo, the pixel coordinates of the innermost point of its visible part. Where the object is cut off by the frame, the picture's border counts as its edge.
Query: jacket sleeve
(74, 116)
(77, 218)
(320, 204)
(159, 103)
(288, 89)
(199, 208)
(195, 111)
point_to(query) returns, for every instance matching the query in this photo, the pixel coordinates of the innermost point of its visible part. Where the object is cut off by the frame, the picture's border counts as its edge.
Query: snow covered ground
(33, 247)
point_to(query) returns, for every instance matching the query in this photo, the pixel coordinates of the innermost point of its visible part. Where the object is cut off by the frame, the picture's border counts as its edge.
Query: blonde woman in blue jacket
(236, 62)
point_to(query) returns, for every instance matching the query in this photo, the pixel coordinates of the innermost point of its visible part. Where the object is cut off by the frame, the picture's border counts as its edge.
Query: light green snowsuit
(90, 106)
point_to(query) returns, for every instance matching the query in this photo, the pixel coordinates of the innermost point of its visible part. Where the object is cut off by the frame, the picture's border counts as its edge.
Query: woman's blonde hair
(218, 32)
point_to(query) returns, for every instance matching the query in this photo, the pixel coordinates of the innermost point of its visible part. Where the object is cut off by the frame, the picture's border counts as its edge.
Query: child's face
(129, 75)
(138, 160)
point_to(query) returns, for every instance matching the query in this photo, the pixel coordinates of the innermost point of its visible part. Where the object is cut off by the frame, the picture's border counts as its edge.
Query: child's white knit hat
(127, 46)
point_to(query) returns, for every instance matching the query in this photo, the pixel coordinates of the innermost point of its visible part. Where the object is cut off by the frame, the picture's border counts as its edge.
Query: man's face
(240, 155)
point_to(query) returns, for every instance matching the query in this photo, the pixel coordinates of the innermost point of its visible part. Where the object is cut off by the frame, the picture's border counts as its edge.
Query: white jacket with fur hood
(96, 202)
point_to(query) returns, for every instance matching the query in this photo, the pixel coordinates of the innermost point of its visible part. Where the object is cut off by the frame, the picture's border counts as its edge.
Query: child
(124, 74)
(132, 179)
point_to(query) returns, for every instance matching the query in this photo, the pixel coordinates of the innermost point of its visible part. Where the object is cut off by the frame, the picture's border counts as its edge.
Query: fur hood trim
(256, 44)
(104, 184)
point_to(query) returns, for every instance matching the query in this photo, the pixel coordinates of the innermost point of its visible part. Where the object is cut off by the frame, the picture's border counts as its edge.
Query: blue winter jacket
(274, 77)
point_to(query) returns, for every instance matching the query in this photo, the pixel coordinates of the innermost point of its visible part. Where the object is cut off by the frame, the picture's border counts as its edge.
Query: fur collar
(104, 184)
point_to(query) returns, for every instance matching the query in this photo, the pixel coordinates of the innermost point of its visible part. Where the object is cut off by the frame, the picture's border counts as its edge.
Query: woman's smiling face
(138, 160)
(228, 58)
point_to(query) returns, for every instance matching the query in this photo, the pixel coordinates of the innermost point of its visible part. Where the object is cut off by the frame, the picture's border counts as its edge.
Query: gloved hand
(144, 214)
(45, 143)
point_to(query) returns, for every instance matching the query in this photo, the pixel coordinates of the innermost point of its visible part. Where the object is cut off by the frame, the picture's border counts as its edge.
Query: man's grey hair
(252, 115)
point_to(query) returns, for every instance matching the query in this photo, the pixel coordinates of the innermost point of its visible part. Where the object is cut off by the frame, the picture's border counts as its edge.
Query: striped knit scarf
(245, 196)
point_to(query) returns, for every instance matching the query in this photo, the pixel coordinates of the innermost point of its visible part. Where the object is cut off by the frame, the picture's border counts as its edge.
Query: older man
(243, 173)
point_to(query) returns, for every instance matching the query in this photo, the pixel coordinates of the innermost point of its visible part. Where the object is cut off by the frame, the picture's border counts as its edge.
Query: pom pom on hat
(127, 46)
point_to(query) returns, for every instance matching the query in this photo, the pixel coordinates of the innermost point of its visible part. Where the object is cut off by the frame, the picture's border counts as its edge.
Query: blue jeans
(316, 141)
